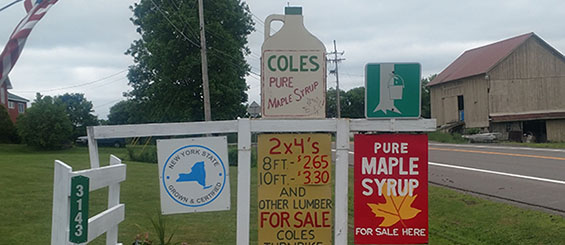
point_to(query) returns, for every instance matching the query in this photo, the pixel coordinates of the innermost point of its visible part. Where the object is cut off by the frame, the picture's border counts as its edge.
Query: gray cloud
(83, 40)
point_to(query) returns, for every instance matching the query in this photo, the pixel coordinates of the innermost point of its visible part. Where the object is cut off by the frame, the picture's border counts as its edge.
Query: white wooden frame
(244, 128)
(105, 222)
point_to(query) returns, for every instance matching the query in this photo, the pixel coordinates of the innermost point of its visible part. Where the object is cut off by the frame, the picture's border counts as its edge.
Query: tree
(166, 75)
(126, 112)
(353, 104)
(426, 110)
(79, 111)
(331, 104)
(8, 133)
(45, 124)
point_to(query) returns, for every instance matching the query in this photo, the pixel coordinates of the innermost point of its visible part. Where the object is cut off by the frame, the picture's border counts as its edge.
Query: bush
(472, 131)
(141, 153)
(45, 125)
(149, 154)
(8, 133)
(446, 137)
(232, 155)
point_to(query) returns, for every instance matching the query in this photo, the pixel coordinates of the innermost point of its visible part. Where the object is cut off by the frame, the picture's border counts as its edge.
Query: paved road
(529, 176)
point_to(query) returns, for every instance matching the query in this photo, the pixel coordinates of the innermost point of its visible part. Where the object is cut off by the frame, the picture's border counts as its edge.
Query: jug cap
(293, 10)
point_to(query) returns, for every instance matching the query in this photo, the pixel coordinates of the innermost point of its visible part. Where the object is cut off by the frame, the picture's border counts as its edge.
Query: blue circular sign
(194, 176)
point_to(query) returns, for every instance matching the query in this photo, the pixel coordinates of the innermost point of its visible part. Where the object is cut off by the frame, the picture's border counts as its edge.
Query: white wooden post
(244, 128)
(107, 221)
(243, 180)
(92, 148)
(61, 209)
(113, 200)
(341, 181)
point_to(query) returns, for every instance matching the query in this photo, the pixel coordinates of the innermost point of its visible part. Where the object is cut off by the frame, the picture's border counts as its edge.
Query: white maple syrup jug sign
(293, 69)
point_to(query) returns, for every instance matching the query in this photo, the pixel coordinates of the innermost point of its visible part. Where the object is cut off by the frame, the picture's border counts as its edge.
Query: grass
(553, 145)
(446, 138)
(457, 139)
(26, 182)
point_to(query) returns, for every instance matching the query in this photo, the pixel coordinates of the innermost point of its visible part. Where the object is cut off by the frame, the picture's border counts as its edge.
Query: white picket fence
(104, 222)
(244, 129)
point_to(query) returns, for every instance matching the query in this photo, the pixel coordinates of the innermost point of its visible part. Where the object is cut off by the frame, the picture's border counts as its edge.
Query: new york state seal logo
(193, 175)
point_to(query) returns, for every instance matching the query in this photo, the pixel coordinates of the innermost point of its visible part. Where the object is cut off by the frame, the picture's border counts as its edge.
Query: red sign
(391, 189)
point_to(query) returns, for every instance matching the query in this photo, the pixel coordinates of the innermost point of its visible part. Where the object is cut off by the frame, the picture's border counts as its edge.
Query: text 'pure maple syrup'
(391, 189)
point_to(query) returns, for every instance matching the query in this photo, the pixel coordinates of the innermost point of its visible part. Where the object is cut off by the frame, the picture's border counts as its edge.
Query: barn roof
(480, 60)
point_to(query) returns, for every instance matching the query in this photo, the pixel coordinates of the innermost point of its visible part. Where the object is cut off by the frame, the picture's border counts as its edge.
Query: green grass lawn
(26, 182)
(446, 138)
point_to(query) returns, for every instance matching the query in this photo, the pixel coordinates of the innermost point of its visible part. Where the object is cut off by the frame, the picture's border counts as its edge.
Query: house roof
(482, 59)
(14, 97)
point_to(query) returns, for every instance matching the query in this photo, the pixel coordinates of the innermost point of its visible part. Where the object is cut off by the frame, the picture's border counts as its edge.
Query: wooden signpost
(295, 204)
(294, 192)
(391, 189)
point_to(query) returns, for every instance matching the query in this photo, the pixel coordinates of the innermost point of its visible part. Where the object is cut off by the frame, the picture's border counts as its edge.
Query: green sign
(78, 229)
(392, 90)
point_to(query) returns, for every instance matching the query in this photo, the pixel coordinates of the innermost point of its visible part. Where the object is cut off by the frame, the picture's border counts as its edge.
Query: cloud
(60, 70)
(82, 40)
(433, 33)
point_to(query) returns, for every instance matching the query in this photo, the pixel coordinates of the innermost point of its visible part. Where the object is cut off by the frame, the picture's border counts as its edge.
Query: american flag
(35, 9)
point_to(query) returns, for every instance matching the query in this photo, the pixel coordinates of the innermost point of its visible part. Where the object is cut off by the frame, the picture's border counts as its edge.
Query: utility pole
(336, 60)
(205, 86)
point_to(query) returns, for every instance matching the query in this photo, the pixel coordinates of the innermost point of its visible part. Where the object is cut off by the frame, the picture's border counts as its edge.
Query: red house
(16, 105)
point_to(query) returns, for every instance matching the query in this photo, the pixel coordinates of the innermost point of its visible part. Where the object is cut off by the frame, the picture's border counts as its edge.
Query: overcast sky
(83, 42)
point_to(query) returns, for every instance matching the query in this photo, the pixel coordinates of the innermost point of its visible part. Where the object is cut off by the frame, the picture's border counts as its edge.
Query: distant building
(15, 105)
(514, 87)
(4, 86)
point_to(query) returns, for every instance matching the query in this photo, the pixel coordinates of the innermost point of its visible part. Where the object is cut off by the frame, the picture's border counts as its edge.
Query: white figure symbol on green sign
(391, 89)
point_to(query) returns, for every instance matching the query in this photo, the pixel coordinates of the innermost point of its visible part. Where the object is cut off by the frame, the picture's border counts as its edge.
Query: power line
(10, 5)
(186, 23)
(256, 17)
(255, 73)
(174, 26)
(352, 75)
(182, 17)
(75, 86)
(110, 82)
(113, 101)
(215, 51)
(335, 71)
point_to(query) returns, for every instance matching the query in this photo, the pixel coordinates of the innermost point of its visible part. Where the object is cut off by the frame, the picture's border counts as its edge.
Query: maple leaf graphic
(395, 208)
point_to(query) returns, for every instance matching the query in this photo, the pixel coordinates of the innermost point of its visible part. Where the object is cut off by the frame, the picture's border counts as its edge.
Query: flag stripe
(28, 5)
(13, 49)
